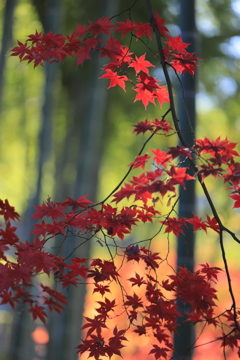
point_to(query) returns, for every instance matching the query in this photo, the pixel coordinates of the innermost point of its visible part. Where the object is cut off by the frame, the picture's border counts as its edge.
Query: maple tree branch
(212, 341)
(126, 10)
(183, 97)
(229, 279)
(131, 167)
(184, 143)
(176, 120)
(165, 71)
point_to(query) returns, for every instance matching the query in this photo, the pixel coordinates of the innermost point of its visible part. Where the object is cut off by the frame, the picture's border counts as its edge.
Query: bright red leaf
(160, 25)
(140, 161)
(115, 79)
(140, 64)
(197, 223)
(176, 44)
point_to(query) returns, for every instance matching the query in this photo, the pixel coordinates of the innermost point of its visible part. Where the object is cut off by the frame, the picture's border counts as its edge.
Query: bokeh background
(62, 133)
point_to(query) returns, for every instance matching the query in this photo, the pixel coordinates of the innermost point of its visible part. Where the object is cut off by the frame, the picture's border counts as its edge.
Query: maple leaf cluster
(86, 39)
(158, 314)
(161, 180)
(220, 162)
(104, 222)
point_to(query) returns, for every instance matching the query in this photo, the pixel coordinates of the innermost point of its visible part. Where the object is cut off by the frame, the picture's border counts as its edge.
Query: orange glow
(138, 348)
(40, 335)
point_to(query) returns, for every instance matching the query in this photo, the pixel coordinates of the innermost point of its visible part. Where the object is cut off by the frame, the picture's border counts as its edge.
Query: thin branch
(131, 167)
(229, 281)
(176, 120)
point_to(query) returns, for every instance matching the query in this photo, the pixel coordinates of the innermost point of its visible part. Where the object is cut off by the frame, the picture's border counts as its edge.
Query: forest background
(46, 144)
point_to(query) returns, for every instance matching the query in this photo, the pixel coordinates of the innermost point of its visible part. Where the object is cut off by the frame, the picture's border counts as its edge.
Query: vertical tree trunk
(65, 329)
(6, 41)
(183, 341)
(22, 347)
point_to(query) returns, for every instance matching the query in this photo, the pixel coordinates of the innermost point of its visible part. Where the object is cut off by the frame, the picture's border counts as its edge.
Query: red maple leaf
(82, 55)
(145, 88)
(140, 64)
(49, 209)
(8, 236)
(148, 90)
(140, 161)
(237, 200)
(162, 125)
(176, 44)
(81, 202)
(8, 298)
(185, 62)
(211, 272)
(159, 352)
(160, 25)
(21, 50)
(105, 307)
(94, 325)
(143, 126)
(115, 342)
(118, 223)
(150, 258)
(140, 330)
(72, 45)
(91, 43)
(133, 253)
(222, 151)
(233, 175)
(125, 56)
(145, 96)
(231, 341)
(134, 301)
(103, 270)
(53, 299)
(52, 229)
(81, 30)
(115, 79)
(196, 290)
(112, 50)
(101, 289)
(95, 346)
(124, 192)
(197, 223)
(40, 261)
(179, 176)
(32, 256)
(161, 157)
(76, 269)
(213, 224)
(180, 151)
(35, 38)
(102, 26)
(143, 29)
(174, 225)
(38, 312)
(137, 280)
(162, 95)
(147, 213)
(206, 170)
(67, 280)
(125, 27)
(7, 211)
